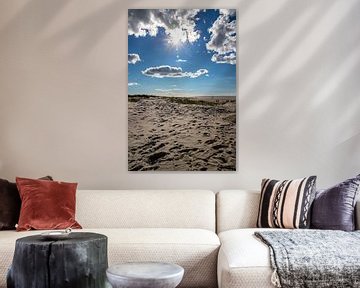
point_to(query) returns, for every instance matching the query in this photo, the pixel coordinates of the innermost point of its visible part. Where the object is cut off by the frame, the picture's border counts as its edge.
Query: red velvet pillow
(46, 204)
(10, 204)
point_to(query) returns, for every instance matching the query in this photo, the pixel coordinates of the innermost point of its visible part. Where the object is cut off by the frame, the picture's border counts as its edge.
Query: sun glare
(176, 37)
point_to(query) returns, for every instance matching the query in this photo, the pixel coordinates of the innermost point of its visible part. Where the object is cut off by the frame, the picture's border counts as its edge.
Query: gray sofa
(177, 226)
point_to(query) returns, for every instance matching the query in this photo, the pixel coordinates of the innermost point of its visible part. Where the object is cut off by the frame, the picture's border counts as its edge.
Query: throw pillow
(46, 204)
(286, 204)
(10, 204)
(334, 208)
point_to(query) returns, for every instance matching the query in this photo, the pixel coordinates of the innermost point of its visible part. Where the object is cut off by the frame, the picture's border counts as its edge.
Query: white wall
(63, 92)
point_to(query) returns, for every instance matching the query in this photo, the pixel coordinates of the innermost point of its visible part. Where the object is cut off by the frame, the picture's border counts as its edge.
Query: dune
(181, 133)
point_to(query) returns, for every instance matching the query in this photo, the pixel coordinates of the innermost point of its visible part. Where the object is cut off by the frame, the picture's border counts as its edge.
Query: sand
(181, 133)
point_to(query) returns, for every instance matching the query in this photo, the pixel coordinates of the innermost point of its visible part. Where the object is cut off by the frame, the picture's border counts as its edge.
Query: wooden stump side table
(78, 261)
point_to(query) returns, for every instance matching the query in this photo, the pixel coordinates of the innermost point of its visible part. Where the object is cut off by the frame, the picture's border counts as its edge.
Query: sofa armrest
(357, 215)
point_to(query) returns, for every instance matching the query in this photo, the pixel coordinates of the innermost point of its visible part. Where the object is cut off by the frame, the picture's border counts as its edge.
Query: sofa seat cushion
(244, 261)
(194, 249)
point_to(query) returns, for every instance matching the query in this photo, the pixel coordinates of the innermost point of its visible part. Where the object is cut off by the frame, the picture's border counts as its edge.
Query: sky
(182, 52)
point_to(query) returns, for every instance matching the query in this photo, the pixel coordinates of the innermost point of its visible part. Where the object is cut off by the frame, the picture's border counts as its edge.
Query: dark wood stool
(79, 261)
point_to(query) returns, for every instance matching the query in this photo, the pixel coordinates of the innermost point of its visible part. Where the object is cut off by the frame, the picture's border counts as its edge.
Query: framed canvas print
(181, 90)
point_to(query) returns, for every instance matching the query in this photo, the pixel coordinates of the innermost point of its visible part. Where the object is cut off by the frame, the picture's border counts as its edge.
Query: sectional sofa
(210, 235)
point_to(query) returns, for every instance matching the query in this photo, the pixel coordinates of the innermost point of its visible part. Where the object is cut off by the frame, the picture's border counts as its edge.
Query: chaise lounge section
(244, 260)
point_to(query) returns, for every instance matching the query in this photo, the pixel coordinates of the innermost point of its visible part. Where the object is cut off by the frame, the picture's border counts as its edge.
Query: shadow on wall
(86, 32)
(307, 62)
(89, 30)
(276, 45)
(298, 66)
(46, 11)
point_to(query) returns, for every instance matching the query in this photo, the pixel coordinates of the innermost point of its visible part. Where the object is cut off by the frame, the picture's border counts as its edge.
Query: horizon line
(141, 94)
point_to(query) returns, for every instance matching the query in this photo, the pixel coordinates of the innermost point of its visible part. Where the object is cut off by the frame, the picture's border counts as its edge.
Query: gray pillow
(334, 208)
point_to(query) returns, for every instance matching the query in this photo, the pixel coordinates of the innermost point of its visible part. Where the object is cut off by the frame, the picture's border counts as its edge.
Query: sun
(176, 37)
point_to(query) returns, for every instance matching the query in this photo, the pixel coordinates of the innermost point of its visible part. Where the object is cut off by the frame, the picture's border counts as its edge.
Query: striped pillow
(286, 204)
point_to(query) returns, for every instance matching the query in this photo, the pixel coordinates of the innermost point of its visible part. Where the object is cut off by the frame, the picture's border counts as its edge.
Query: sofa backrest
(236, 209)
(239, 209)
(146, 209)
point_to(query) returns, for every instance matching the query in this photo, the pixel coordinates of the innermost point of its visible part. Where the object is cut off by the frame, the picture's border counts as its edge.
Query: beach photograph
(181, 90)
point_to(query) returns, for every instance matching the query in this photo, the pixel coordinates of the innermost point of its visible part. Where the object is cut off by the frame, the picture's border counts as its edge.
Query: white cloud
(168, 90)
(133, 84)
(181, 60)
(133, 58)
(223, 38)
(230, 12)
(198, 73)
(172, 72)
(222, 58)
(179, 24)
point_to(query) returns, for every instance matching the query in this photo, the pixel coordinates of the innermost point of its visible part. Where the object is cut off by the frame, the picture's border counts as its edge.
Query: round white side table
(145, 275)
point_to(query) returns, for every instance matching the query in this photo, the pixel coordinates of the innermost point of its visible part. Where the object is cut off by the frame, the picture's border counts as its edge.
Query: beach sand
(181, 133)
